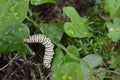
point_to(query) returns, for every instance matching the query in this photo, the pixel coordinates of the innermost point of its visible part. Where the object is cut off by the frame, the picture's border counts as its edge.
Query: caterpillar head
(28, 40)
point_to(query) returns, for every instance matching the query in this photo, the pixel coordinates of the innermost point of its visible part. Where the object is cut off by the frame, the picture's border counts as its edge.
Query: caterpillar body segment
(49, 52)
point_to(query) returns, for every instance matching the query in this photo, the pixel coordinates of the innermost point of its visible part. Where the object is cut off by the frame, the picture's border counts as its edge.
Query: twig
(110, 71)
(48, 75)
(8, 63)
(31, 71)
(40, 71)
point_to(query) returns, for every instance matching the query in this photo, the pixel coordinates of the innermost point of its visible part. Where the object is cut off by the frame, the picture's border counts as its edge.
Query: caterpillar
(49, 52)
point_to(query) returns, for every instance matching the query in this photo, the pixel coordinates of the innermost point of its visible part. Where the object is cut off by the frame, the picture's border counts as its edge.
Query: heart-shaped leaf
(93, 60)
(78, 27)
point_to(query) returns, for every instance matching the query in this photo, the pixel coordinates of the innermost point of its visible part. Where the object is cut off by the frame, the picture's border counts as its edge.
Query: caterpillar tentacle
(49, 52)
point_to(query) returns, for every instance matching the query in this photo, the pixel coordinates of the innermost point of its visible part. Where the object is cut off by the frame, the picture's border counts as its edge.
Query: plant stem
(34, 23)
(72, 56)
(110, 71)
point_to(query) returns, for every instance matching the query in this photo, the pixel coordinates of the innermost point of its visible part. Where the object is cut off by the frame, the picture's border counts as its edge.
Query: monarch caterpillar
(49, 52)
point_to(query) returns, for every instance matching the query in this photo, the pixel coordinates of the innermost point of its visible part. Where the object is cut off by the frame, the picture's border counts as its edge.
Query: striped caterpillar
(49, 52)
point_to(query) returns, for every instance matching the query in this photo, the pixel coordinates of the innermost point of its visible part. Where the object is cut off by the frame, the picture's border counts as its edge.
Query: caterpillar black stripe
(49, 52)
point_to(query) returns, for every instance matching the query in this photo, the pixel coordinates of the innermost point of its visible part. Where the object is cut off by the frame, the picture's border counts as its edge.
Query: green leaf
(58, 59)
(68, 71)
(12, 11)
(78, 27)
(88, 73)
(18, 31)
(74, 51)
(37, 2)
(100, 73)
(73, 15)
(114, 62)
(114, 29)
(53, 30)
(85, 69)
(113, 7)
(11, 39)
(93, 60)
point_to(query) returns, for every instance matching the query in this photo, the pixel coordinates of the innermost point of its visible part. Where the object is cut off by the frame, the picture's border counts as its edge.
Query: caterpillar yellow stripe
(49, 51)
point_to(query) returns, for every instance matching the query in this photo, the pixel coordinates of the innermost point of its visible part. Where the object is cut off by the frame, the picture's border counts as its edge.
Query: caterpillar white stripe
(49, 52)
